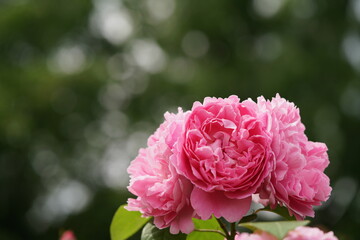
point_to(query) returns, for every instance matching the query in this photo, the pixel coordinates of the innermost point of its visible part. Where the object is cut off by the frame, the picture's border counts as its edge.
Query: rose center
(227, 151)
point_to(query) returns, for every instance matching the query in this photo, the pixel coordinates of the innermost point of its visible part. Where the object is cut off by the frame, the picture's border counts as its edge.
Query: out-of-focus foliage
(83, 83)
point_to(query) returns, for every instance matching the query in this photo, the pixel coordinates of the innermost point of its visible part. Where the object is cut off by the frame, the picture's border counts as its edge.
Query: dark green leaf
(151, 232)
(208, 224)
(126, 223)
(278, 229)
(282, 211)
(248, 218)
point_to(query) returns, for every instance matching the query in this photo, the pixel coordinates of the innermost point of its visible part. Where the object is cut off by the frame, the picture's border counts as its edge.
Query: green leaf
(126, 223)
(278, 229)
(282, 211)
(248, 218)
(151, 232)
(207, 224)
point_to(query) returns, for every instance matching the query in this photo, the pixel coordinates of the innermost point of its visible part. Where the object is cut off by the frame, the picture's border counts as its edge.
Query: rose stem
(227, 235)
(233, 232)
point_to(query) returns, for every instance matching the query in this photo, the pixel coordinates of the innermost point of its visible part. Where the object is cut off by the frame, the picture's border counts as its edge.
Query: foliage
(126, 223)
(278, 229)
(150, 232)
(207, 224)
(282, 211)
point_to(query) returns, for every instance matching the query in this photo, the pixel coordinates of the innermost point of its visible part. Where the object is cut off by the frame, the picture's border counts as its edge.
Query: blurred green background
(84, 83)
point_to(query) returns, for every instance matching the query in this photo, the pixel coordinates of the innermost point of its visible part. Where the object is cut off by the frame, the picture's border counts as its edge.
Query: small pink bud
(68, 235)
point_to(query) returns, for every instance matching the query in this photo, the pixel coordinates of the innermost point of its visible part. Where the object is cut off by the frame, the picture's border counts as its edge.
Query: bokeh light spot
(195, 44)
(267, 8)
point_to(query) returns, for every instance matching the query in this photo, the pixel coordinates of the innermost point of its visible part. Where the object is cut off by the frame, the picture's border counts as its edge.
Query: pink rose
(255, 236)
(309, 233)
(226, 154)
(68, 235)
(298, 181)
(299, 233)
(160, 191)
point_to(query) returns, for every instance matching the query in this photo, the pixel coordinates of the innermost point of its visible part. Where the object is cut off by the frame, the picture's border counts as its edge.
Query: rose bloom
(299, 233)
(309, 233)
(298, 181)
(255, 236)
(226, 154)
(160, 191)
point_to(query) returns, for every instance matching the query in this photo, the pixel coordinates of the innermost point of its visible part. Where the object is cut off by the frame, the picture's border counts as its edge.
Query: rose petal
(208, 203)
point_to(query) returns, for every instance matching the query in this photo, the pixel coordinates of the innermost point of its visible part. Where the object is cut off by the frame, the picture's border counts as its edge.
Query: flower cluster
(299, 233)
(214, 159)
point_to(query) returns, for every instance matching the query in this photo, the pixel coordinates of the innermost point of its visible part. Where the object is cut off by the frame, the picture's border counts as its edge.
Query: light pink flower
(160, 191)
(299, 233)
(298, 181)
(309, 233)
(226, 154)
(255, 236)
(68, 235)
